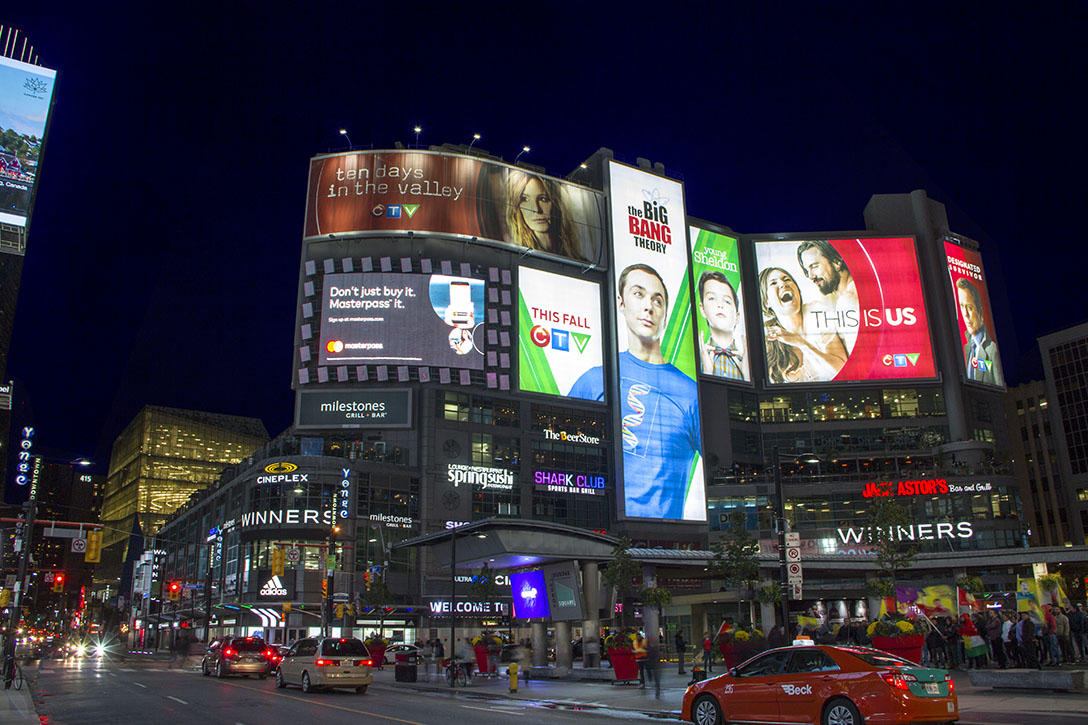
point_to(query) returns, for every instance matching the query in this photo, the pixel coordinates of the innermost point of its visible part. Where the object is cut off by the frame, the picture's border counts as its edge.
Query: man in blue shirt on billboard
(659, 404)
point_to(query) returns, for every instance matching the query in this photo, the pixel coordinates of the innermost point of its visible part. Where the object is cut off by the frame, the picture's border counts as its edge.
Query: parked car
(326, 662)
(237, 656)
(393, 650)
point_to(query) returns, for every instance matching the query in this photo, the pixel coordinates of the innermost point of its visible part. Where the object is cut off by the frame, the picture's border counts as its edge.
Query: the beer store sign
(495, 479)
(565, 437)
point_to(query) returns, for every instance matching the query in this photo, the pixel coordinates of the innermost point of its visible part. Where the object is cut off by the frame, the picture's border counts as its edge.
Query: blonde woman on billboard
(536, 216)
(794, 354)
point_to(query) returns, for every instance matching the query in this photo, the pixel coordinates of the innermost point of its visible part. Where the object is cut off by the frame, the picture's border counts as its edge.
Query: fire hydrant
(512, 671)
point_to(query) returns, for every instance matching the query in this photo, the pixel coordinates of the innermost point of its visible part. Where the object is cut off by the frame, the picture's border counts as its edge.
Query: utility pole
(780, 526)
(208, 595)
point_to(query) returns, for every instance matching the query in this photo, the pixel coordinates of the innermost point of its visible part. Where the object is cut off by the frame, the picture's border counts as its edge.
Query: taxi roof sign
(803, 641)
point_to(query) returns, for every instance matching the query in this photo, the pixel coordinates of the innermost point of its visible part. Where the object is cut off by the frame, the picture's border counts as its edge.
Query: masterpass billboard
(843, 309)
(981, 361)
(659, 403)
(559, 330)
(26, 92)
(387, 318)
(426, 191)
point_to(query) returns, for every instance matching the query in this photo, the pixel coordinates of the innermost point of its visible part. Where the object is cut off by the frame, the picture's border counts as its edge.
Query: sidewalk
(978, 705)
(17, 706)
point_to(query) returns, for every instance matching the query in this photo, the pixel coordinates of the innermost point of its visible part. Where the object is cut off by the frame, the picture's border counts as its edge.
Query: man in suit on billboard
(981, 360)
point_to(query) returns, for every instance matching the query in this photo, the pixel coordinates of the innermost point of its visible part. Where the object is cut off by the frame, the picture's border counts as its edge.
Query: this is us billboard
(843, 310)
(981, 361)
(658, 406)
(385, 318)
(427, 191)
(559, 330)
(26, 95)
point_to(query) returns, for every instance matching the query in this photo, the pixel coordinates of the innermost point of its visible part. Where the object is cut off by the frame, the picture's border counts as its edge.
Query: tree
(378, 595)
(736, 556)
(886, 517)
(483, 587)
(622, 574)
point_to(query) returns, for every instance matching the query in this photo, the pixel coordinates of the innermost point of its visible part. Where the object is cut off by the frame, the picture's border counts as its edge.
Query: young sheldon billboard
(719, 302)
(426, 191)
(843, 309)
(26, 94)
(981, 361)
(659, 403)
(559, 330)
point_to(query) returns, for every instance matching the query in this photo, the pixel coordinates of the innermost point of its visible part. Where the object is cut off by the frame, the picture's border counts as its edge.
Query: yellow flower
(757, 633)
(905, 627)
(870, 629)
(741, 636)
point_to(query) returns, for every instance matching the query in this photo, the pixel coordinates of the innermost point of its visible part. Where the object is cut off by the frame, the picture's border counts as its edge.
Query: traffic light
(366, 580)
(339, 611)
(93, 554)
(175, 591)
(5, 597)
(278, 559)
(324, 588)
(58, 582)
(286, 607)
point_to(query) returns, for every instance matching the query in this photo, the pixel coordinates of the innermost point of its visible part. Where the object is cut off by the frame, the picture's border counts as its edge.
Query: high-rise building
(1034, 448)
(1065, 362)
(163, 456)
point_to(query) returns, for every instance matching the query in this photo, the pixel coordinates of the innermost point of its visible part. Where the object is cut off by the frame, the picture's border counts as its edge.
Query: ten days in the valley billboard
(425, 191)
(843, 309)
(386, 318)
(981, 361)
(662, 474)
(559, 330)
(26, 95)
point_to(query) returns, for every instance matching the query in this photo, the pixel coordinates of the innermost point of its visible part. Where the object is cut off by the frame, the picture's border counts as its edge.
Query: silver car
(237, 656)
(326, 662)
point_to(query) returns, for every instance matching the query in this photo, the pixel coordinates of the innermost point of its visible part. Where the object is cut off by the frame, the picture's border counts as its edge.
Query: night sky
(163, 252)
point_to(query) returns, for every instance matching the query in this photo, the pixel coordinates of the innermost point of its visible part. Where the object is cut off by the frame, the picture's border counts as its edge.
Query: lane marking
(318, 702)
(140, 685)
(176, 699)
(489, 709)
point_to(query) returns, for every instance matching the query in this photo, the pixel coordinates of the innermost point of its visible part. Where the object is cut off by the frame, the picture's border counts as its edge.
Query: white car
(393, 650)
(319, 663)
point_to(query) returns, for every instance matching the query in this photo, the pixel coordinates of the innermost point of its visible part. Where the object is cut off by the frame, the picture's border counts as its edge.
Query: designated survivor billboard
(387, 318)
(426, 191)
(659, 404)
(723, 336)
(26, 93)
(981, 361)
(559, 330)
(843, 309)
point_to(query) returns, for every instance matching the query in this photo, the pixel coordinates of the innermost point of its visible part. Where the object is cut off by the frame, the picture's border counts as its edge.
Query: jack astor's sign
(925, 487)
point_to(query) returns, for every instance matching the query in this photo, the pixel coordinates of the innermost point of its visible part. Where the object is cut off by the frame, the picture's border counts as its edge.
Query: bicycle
(13, 675)
(457, 673)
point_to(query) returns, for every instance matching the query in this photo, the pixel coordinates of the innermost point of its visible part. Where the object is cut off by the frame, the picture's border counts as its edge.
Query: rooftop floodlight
(475, 138)
(524, 150)
(344, 133)
(417, 130)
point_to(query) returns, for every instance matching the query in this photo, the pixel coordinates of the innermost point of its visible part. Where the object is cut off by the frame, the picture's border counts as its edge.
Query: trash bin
(407, 667)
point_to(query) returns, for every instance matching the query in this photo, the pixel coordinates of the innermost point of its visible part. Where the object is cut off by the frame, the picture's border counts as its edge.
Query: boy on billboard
(825, 268)
(719, 354)
(981, 360)
(660, 410)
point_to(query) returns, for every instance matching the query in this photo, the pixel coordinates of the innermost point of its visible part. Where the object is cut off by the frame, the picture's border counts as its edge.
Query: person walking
(708, 653)
(681, 650)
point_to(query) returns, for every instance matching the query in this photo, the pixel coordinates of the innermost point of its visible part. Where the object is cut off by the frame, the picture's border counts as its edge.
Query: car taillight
(269, 653)
(362, 663)
(898, 680)
(951, 684)
(229, 653)
(327, 663)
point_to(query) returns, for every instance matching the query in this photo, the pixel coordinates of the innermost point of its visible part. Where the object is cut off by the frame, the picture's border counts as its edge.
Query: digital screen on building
(843, 310)
(26, 94)
(530, 595)
(426, 191)
(981, 361)
(383, 318)
(353, 408)
(719, 306)
(658, 407)
(564, 592)
(559, 330)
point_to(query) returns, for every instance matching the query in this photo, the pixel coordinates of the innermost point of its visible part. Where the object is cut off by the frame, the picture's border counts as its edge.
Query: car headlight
(81, 650)
(99, 650)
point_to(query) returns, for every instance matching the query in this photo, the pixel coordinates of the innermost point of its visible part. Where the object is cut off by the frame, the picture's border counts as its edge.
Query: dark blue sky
(163, 253)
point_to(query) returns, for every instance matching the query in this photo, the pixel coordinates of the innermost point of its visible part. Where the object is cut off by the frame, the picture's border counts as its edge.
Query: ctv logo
(900, 359)
(558, 339)
(982, 365)
(797, 689)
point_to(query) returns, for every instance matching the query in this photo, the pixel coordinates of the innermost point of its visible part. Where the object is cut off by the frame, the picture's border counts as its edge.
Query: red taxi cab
(824, 684)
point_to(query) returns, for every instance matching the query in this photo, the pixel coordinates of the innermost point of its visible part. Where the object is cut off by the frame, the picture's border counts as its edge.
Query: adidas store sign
(273, 588)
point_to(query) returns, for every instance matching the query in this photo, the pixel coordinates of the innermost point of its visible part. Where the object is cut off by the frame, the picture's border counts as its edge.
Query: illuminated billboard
(843, 309)
(530, 595)
(981, 361)
(719, 303)
(662, 475)
(385, 318)
(26, 94)
(426, 191)
(559, 330)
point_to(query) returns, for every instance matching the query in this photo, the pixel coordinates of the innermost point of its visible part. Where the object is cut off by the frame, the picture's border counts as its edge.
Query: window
(453, 406)
(813, 660)
(768, 664)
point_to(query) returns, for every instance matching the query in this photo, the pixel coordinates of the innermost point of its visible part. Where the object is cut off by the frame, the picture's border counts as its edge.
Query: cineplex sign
(925, 487)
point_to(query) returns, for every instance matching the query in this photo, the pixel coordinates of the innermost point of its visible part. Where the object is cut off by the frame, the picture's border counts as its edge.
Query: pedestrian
(997, 641)
(1050, 637)
(439, 650)
(1025, 631)
(708, 653)
(681, 650)
(641, 653)
(1008, 636)
(1065, 643)
(1078, 632)
(653, 662)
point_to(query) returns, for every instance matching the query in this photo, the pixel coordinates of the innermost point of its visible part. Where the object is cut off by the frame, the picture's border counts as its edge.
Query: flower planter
(624, 665)
(730, 655)
(377, 655)
(480, 650)
(909, 647)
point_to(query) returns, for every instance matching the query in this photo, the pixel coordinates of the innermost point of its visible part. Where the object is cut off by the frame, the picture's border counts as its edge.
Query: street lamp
(475, 138)
(524, 150)
(417, 130)
(344, 133)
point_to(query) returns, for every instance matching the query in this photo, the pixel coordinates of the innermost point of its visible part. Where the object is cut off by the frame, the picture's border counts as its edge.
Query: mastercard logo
(281, 467)
(335, 346)
(540, 336)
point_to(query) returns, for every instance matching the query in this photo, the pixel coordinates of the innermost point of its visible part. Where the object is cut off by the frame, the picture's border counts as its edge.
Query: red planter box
(908, 647)
(377, 655)
(480, 651)
(624, 665)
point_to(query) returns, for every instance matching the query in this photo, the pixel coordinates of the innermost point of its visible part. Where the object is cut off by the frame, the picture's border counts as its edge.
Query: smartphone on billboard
(460, 311)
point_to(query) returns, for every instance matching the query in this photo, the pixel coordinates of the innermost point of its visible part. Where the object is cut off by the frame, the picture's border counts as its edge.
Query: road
(86, 692)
